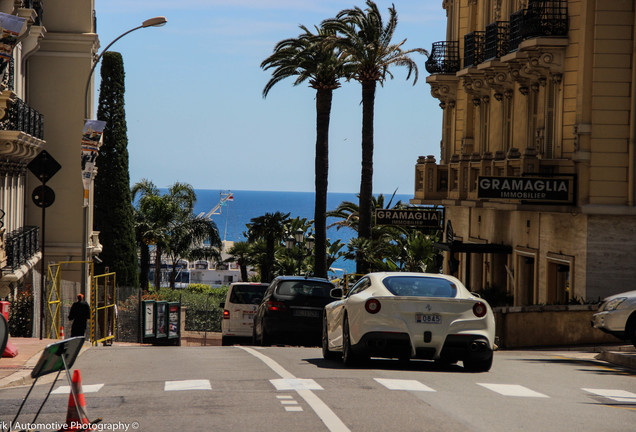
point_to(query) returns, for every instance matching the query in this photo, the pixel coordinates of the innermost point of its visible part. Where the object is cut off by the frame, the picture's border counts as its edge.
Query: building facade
(47, 80)
(537, 170)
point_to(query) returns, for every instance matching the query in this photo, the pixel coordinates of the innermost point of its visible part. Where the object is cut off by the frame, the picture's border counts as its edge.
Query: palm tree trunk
(157, 267)
(366, 178)
(144, 264)
(323, 112)
(243, 268)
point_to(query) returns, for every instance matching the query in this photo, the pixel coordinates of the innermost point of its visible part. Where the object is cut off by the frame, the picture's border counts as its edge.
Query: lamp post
(298, 239)
(152, 22)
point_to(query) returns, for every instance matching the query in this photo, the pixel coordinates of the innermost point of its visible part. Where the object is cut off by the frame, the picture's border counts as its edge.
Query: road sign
(44, 166)
(43, 196)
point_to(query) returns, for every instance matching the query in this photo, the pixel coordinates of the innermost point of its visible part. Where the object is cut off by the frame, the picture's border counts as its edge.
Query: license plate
(428, 318)
(306, 313)
(248, 315)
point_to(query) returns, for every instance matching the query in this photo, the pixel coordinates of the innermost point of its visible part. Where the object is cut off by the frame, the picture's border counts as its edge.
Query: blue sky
(194, 105)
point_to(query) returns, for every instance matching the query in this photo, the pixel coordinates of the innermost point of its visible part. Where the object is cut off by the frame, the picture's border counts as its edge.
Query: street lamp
(152, 22)
(297, 239)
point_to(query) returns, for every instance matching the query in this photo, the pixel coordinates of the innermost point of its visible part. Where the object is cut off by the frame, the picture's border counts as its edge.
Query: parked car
(410, 315)
(617, 316)
(291, 311)
(239, 308)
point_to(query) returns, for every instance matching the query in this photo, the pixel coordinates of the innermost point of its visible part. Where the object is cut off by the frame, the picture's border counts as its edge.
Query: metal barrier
(54, 296)
(104, 308)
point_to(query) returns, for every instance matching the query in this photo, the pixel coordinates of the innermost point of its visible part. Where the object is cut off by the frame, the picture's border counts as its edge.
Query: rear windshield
(417, 286)
(304, 288)
(247, 294)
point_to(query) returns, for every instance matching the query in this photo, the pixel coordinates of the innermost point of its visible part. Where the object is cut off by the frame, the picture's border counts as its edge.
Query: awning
(482, 248)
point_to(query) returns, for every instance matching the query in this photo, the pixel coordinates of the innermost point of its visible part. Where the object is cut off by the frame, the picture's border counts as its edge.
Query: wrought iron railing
(473, 48)
(444, 58)
(20, 245)
(516, 29)
(546, 18)
(22, 117)
(496, 45)
(8, 71)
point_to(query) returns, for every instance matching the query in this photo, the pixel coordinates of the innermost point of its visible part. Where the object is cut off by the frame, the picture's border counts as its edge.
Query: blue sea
(250, 204)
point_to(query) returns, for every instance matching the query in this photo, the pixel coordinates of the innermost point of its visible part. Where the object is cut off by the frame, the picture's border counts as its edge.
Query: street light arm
(152, 22)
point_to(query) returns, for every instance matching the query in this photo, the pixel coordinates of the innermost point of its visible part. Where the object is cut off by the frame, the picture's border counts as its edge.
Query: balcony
(474, 48)
(496, 40)
(21, 128)
(444, 58)
(21, 246)
(457, 179)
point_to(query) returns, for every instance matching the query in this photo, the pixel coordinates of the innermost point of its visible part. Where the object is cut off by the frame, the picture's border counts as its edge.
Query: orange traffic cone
(76, 418)
(61, 332)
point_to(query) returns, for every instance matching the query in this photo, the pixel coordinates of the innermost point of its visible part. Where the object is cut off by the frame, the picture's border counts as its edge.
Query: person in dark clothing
(80, 313)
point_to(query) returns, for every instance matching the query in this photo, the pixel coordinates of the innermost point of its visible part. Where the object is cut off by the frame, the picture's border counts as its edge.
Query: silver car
(617, 316)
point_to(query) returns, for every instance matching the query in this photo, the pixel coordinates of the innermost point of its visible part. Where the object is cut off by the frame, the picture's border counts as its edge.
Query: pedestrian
(80, 313)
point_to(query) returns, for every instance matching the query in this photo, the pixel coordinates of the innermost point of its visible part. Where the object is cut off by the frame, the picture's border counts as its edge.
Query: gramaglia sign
(417, 218)
(525, 188)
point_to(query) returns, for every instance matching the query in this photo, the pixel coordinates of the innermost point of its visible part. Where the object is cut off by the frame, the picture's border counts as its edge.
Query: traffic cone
(61, 332)
(76, 418)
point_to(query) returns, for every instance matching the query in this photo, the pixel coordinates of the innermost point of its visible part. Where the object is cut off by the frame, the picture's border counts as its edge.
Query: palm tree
(192, 238)
(310, 57)
(241, 253)
(271, 228)
(151, 217)
(365, 41)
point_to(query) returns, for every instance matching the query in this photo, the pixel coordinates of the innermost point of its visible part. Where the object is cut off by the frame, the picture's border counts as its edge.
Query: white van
(238, 310)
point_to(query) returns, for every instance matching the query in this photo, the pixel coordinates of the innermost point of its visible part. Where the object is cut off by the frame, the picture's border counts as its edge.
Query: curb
(22, 376)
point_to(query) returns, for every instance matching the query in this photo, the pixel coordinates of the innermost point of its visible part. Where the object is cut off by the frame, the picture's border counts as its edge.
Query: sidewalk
(17, 370)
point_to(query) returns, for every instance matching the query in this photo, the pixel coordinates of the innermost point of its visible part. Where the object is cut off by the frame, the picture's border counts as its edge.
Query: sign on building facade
(415, 218)
(526, 188)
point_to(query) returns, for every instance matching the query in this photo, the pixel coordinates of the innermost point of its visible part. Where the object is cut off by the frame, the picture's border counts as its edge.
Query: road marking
(513, 390)
(326, 415)
(615, 395)
(293, 408)
(187, 385)
(91, 388)
(284, 397)
(407, 385)
(295, 384)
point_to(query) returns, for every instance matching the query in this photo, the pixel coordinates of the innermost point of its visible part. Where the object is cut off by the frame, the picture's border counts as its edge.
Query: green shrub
(202, 308)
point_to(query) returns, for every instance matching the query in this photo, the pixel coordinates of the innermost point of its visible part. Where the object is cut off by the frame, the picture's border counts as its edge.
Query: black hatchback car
(291, 311)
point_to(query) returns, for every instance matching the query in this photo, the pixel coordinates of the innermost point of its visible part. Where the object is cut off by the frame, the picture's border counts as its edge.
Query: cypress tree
(113, 206)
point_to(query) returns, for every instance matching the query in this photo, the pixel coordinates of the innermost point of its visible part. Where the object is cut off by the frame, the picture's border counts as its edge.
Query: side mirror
(336, 293)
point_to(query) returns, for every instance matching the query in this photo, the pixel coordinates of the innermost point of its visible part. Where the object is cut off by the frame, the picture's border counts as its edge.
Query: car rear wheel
(472, 365)
(349, 358)
(226, 341)
(327, 354)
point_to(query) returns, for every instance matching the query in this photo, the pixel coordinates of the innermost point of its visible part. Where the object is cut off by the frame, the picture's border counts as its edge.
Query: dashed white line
(406, 385)
(295, 384)
(326, 415)
(187, 385)
(513, 390)
(615, 395)
(90, 388)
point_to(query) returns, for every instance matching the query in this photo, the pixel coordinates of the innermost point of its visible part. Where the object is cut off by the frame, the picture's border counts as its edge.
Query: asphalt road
(294, 389)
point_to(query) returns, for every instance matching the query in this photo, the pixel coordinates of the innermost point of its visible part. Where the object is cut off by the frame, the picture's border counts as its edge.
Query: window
(417, 286)
(362, 284)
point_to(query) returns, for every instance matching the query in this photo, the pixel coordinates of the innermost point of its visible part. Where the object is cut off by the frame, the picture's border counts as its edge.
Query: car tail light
(373, 306)
(480, 309)
(226, 314)
(276, 306)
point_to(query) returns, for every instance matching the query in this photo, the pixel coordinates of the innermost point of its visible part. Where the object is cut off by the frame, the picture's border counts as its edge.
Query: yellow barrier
(104, 305)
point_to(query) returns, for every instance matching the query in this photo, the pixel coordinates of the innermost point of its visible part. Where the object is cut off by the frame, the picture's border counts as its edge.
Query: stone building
(537, 170)
(46, 79)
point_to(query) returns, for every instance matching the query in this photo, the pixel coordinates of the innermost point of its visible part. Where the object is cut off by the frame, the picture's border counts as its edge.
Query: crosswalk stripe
(295, 384)
(615, 395)
(187, 385)
(513, 390)
(401, 384)
(90, 388)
